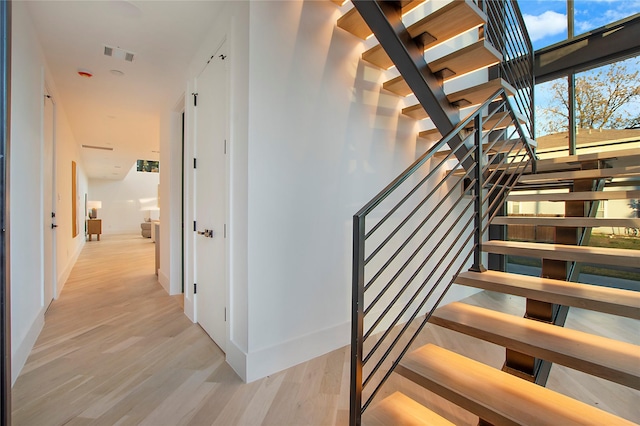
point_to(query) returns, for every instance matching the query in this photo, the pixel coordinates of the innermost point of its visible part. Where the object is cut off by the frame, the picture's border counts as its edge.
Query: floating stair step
(355, 24)
(614, 301)
(581, 174)
(339, 2)
(398, 86)
(430, 134)
(494, 395)
(558, 163)
(443, 24)
(599, 356)
(498, 121)
(399, 409)
(480, 54)
(585, 254)
(473, 57)
(577, 222)
(576, 196)
(467, 97)
(501, 147)
(478, 94)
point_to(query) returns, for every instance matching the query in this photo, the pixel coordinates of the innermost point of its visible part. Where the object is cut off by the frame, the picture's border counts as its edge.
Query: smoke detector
(118, 53)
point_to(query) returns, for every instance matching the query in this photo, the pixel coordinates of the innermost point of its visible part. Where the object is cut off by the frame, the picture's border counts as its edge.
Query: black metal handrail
(418, 233)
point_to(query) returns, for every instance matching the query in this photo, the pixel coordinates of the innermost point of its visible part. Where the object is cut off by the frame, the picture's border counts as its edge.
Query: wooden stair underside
(599, 356)
(496, 396)
(399, 409)
(467, 97)
(581, 174)
(585, 254)
(592, 297)
(575, 222)
(443, 24)
(575, 196)
(353, 22)
(470, 58)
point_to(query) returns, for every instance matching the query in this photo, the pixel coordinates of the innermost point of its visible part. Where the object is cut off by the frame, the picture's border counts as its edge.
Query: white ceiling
(119, 112)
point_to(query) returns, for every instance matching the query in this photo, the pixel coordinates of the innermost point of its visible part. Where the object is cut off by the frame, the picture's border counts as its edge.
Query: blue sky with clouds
(547, 19)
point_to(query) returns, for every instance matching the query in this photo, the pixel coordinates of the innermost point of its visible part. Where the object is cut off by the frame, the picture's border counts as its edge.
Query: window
(590, 14)
(546, 21)
(148, 166)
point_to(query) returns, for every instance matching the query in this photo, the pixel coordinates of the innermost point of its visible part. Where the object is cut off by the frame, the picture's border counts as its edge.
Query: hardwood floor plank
(116, 349)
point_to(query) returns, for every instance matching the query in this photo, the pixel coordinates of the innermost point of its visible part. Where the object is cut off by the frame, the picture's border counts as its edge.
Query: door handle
(207, 233)
(53, 225)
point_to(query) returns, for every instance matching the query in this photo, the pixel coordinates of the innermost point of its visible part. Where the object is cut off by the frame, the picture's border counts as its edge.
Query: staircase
(437, 220)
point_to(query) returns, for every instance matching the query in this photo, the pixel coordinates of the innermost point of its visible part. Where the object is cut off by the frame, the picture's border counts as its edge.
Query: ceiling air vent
(118, 53)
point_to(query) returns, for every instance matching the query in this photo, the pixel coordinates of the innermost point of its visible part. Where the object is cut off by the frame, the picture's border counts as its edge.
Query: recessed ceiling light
(117, 72)
(118, 167)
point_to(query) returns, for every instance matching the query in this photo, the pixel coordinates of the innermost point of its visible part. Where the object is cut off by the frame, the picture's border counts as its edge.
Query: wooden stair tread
(581, 174)
(599, 356)
(497, 148)
(593, 297)
(578, 222)
(399, 409)
(499, 120)
(398, 86)
(467, 97)
(597, 255)
(353, 22)
(430, 134)
(494, 395)
(475, 56)
(558, 162)
(443, 24)
(576, 196)
(480, 54)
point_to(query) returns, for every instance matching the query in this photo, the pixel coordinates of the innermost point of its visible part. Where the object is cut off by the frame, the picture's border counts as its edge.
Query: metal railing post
(478, 201)
(357, 320)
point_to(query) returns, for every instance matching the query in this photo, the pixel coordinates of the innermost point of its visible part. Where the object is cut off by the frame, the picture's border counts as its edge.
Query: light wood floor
(116, 349)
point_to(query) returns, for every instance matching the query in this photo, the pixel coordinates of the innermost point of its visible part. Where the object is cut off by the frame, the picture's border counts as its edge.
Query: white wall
(26, 186)
(324, 138)
(312, 137)
(126, 202)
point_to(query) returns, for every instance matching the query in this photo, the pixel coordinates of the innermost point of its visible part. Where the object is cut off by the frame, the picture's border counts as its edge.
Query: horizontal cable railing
(506, 31)
(416, 235)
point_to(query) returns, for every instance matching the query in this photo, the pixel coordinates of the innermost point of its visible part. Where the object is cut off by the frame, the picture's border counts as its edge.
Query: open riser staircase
(432, 224)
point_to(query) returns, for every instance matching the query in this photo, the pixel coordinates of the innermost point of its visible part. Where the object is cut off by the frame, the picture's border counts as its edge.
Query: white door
(48, 202)
(210, 197)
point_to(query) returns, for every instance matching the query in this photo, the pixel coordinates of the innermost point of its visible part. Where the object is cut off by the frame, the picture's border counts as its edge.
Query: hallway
(115, 349)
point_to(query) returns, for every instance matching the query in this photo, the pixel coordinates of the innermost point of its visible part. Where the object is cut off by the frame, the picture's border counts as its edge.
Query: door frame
(189, 195)
(50, 180)
(5, 123)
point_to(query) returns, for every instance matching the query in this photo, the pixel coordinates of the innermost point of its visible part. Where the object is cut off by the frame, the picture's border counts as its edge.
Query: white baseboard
(62, 278)
(282, 356)
(189, 307)
(164, 281)
(21, 350)
(237, 359)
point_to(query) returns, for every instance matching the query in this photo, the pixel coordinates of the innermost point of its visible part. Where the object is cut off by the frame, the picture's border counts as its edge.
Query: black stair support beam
(384, 18)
